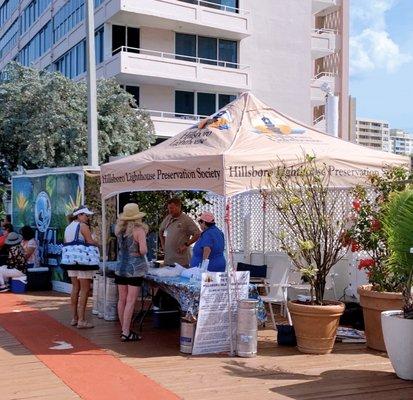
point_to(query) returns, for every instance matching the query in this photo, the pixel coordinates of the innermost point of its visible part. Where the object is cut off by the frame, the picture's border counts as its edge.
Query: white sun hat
(82, 210)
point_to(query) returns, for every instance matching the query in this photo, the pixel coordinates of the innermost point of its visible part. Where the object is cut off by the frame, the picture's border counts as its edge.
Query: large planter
(373, 304)
(398, 336)
(315, 326)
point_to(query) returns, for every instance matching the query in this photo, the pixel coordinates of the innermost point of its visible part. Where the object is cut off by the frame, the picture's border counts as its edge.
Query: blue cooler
(18, 285)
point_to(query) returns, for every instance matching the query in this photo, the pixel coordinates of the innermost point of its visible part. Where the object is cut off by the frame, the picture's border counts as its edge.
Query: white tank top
(70, 232)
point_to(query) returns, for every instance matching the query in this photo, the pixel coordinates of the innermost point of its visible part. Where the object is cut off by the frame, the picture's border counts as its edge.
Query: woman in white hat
(80, 275)
(132, 266)
(16, 261)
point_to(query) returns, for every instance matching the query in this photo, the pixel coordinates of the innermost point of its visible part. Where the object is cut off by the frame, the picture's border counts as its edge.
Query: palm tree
(398, 226)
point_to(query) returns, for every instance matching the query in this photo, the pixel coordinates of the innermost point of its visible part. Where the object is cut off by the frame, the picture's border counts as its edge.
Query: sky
(381, 60)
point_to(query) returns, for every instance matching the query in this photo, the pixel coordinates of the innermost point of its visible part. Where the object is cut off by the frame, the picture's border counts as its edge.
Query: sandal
(73, 322)
(132, 337)
(84, 325)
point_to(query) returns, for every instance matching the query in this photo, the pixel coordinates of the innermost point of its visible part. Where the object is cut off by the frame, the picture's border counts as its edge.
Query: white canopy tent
(233, 151)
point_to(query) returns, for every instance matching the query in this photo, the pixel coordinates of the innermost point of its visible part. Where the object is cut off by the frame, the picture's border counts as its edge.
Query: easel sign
(212, 330)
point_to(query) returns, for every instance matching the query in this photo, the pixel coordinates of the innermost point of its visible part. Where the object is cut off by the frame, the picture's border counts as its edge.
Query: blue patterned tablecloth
(187, 293)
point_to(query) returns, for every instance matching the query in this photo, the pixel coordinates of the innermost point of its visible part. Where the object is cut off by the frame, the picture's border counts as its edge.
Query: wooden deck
(350, 372)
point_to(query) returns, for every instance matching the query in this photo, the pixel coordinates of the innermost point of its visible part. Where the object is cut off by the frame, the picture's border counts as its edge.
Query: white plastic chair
(296, 285)
(278, 267)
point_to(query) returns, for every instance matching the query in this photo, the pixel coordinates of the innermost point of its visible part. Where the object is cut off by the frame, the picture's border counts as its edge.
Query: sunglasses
(201, 221)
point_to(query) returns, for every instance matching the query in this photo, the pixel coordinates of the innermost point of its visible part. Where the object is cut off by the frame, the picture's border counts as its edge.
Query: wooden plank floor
(350, 372)
(23, 376)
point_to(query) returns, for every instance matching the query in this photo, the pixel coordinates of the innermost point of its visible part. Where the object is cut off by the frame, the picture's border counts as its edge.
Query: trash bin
(247, 328)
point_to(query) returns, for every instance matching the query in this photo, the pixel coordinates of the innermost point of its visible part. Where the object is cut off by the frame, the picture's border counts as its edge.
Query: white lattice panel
(254, 230)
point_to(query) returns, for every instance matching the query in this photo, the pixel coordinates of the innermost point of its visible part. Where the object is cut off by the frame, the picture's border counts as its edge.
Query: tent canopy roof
(233, 150)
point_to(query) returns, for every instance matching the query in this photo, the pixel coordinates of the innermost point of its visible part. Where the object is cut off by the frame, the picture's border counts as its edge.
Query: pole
(230, 272)
(104, 250)
(92, 123)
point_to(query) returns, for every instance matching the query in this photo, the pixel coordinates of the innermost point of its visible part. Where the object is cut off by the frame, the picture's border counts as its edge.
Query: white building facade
(401, 142)
(184, 59)
(373, 133)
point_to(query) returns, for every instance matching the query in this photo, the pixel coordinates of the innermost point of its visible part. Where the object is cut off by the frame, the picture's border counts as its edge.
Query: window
(209, 49)
(185, 45)
(125, 36)
(9, 39)
(68, 16)
(228, 53)
(224, 99)
(184, 102)
(73, 62)
(134, 91)
(71, 14)
(31, 13)
(206, 103)
(38, 45)
(218, 4)
(7, 9)
(118, 38)
(132, 39)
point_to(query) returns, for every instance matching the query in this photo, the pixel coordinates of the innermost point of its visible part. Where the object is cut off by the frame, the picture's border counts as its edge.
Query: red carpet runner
(88, 370)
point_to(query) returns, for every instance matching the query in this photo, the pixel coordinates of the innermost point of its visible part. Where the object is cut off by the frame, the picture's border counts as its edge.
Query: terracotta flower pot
(315, 326)
(373, 304)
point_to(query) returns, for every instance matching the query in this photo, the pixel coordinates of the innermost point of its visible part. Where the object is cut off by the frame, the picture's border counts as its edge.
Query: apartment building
(183, 59)
(401, 142)
(373, 133)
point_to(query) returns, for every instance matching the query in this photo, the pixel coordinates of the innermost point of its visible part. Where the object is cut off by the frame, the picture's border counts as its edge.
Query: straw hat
(13, 238)
(131, 212)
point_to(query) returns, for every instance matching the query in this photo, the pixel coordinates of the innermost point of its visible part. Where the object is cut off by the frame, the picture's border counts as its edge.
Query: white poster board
(212, 330)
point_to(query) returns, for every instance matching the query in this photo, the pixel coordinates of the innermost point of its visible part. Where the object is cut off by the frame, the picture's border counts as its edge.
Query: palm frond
(398, 226)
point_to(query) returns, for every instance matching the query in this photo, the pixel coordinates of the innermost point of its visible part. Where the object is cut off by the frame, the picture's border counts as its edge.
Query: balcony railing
(221, 7)
(171, 56)
(324, 75)
(170, 114)
(320, 31)
(319, 119)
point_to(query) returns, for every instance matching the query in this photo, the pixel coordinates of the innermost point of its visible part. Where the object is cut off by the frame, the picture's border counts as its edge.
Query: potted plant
(398, 324)
(367, 236)
(313, 220)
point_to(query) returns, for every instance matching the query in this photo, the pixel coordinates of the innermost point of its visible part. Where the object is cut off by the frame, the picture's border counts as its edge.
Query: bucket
(111, 306)
(187, 336)
(95, 295)
(101, 296)
(247, 328)
(18, 285)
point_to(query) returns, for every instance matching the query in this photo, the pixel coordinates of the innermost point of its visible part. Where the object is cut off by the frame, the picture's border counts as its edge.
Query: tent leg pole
(104, 250)
(229, 273)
